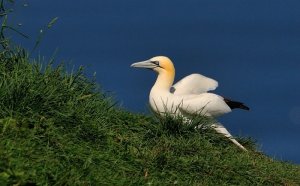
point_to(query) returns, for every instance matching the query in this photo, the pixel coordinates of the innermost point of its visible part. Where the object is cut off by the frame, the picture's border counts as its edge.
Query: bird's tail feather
(222, 130)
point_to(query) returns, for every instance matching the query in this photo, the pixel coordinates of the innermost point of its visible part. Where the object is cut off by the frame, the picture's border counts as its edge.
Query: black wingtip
(244, 107)
(236, 104)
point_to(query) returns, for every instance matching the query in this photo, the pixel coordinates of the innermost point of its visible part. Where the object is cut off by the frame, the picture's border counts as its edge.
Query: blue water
(250, 47)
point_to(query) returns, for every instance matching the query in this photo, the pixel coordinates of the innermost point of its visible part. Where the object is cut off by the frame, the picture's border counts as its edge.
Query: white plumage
(187, 97)
(194, 84)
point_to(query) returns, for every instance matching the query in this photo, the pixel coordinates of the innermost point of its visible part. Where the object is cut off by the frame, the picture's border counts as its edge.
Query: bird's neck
(164, 81)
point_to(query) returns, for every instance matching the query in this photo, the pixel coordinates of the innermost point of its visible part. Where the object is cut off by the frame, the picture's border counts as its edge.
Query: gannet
(187, 97)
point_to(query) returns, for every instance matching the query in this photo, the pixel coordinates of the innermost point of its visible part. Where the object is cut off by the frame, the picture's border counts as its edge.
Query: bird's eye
(155, 62)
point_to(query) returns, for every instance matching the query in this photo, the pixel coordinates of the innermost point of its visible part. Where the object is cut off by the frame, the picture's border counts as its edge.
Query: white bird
(189, 96)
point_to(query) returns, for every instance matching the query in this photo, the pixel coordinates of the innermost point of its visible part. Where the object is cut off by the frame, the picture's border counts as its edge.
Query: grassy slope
(56, 128)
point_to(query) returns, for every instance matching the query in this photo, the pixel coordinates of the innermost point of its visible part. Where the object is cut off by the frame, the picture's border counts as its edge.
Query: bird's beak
(144, 64)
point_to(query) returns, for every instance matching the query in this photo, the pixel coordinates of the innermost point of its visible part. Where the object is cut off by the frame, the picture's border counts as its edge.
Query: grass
(59, 128)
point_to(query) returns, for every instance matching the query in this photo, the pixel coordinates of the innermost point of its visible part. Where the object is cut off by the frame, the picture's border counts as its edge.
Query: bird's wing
(194, 84)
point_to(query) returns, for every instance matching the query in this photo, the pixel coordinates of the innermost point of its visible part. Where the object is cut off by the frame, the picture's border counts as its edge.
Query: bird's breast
(164, 102)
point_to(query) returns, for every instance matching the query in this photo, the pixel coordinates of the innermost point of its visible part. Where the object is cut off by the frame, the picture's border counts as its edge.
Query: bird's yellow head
(159, 64)
(163, 66)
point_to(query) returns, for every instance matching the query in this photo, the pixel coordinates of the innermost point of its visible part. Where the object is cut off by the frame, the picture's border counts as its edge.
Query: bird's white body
(206, 104)
(188, 97)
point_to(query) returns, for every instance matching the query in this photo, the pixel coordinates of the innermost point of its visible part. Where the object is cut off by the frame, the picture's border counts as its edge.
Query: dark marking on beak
(157, 64)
